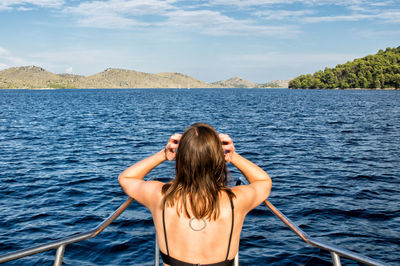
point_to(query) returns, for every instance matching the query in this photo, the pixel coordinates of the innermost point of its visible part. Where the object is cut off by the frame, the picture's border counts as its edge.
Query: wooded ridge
(379, 71)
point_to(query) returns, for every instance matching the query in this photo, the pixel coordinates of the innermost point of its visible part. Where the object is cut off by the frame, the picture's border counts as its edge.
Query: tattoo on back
(197, 225)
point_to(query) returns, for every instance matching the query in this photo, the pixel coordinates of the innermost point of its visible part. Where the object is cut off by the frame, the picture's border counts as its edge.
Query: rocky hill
(281, 83)
(235, 82)
(37, 77)
(28, 77)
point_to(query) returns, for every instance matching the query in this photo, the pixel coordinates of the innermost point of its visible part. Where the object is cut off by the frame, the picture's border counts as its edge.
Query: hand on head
(227, 145)
(172, 146)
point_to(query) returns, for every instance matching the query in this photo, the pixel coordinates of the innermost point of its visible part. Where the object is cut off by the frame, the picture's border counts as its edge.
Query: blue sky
(258, 40)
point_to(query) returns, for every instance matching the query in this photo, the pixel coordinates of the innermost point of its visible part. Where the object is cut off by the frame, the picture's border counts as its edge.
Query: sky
(257, 40)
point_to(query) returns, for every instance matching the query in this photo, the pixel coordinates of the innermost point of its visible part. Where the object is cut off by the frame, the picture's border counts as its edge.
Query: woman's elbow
(121, 179)
(268, 187)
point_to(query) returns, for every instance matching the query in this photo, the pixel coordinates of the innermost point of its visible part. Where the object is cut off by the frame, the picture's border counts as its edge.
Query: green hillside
(379, 71)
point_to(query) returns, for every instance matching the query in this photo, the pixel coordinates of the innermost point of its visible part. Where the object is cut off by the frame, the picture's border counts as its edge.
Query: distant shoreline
(210, 88)
(34, 77)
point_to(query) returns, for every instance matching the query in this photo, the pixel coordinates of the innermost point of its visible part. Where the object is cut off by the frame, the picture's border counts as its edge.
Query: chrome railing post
(59, 255)
(335, 259)
(236, 261)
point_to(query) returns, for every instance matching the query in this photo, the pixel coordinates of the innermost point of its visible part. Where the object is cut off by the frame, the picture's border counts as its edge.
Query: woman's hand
(227, 145)
(172, 146)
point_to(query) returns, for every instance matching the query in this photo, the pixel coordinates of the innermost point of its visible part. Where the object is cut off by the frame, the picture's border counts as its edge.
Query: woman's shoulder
(147, 193)
(241, 191)
(247, 197)
(154, 188)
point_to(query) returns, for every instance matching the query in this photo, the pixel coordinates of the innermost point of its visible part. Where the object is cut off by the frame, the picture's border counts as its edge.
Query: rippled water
(334, 158)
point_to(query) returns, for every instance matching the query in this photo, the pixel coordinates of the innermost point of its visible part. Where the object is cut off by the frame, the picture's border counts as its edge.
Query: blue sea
(333, 156)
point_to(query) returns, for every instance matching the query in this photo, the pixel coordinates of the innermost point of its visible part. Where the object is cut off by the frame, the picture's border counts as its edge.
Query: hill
(29, 77)
(379, 71)
(121, 78)
(37, 77)
(276, 84)
(184, 81)
(235, 82)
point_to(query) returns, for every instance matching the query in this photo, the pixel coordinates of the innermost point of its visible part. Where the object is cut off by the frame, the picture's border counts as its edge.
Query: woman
(198, 219)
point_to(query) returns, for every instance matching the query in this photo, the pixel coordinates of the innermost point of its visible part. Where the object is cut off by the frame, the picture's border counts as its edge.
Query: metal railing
(335, 251)
(60, 244)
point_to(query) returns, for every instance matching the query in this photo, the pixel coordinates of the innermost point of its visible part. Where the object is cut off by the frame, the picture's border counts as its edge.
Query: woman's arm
(131, 180)
(260, 183)
(140, 169)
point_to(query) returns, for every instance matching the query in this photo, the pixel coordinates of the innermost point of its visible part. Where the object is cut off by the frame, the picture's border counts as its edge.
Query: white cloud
(126, 7)
(382, 3)
(21, 4)
(129, 14)
(3, 66)
(355, 17)
(68, 70)
(283, 9)
(246, 3)
(7, 59)
(211, 17)
(109, 21)
(258, 3)
(22, 8)
(392, 16)
(283, 14)
(214, 23)
(351, 11)
(117, 13)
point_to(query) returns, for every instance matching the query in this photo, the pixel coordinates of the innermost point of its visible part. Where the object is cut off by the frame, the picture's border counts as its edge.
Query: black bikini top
(175, 262)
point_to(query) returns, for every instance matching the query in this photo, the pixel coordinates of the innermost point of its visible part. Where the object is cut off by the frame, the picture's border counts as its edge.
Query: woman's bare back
(200, 241)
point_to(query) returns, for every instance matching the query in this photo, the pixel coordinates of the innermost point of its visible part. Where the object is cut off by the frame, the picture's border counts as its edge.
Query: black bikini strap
(233, 221)
(165, 232)
(172, 261)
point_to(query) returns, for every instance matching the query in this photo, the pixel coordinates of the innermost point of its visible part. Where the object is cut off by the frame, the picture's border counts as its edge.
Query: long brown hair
(201, 174)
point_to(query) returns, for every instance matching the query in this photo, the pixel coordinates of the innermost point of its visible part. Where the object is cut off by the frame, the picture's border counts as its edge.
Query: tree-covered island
(379, 71)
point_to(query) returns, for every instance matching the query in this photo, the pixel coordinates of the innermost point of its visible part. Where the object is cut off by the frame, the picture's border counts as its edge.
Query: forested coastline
(379, 71)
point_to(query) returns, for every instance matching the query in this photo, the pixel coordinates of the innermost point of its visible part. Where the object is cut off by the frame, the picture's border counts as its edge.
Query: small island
(379, 71)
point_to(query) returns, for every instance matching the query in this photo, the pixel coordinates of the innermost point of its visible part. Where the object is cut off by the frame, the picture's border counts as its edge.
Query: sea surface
(333, 156)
